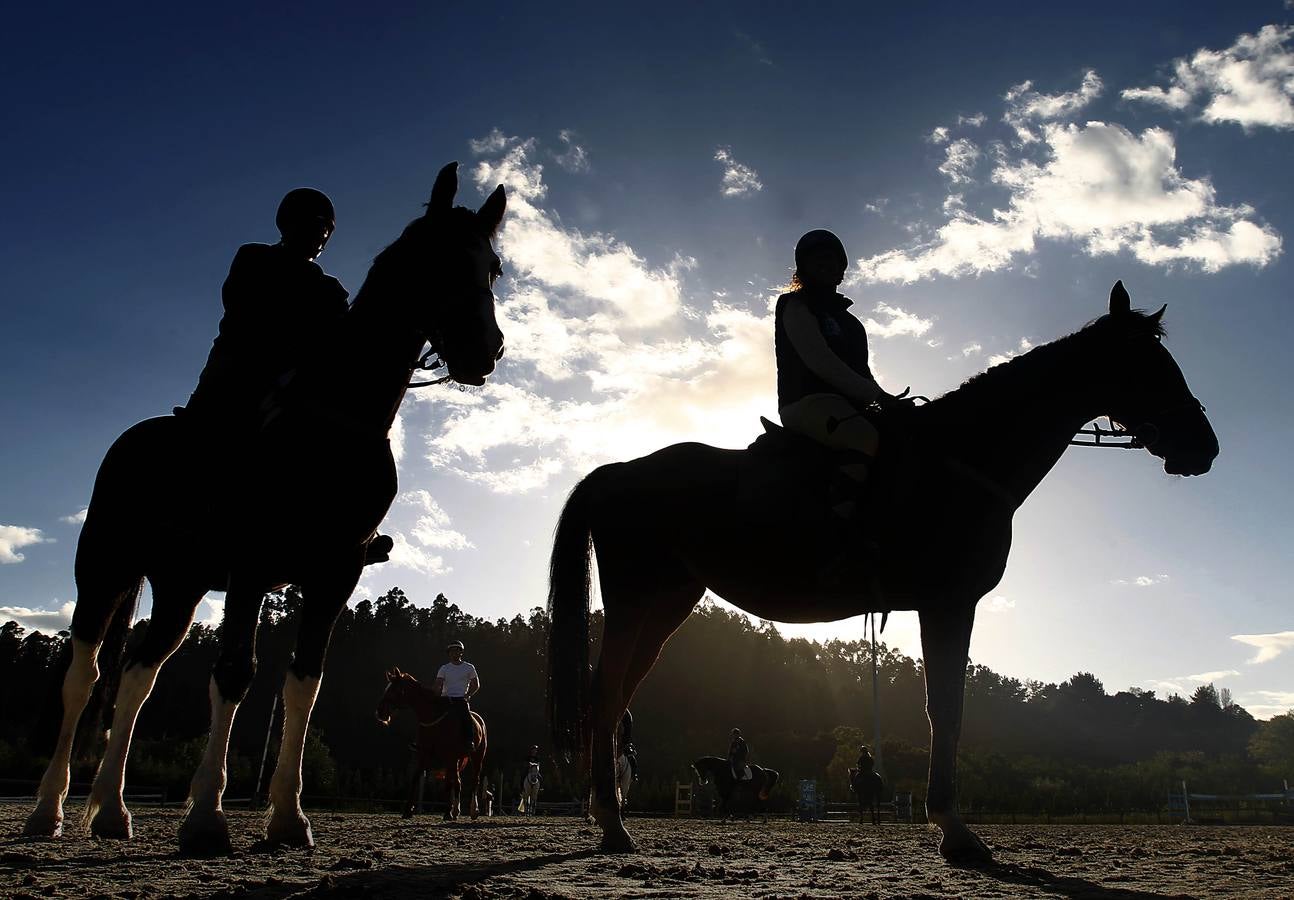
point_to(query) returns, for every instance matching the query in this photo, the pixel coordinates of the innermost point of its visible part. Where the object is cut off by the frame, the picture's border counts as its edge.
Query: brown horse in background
(868, 787)
(440, 745)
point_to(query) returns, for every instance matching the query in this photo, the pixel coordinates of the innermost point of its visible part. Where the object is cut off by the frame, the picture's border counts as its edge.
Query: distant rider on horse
(280, 306)
(738, 752)
(866, 763)
(626, 742)
(458, 681)
(823, 378)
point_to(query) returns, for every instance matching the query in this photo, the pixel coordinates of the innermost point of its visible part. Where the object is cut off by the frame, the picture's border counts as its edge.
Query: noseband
(1142, 436)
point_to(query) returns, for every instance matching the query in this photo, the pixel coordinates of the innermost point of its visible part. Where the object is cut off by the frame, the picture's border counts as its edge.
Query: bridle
(1142, 436)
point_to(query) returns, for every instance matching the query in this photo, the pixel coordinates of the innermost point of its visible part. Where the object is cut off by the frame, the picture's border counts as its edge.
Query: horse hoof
(965, 849)
(43, 824)
(618, 842)
(112, 823)
(205, 834)
(290, 831)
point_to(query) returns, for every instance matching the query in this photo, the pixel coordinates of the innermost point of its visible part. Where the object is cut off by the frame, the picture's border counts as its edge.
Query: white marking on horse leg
(105, 811)
(204, 830)
(47, 818)
(288, 824)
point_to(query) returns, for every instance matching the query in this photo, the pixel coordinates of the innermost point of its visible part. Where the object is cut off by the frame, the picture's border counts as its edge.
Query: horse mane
(1009, 381)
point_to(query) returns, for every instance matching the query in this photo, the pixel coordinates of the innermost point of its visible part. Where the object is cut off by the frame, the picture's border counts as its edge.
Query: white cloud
(1210, 677)
(574, 158)
(46, 620)
(974, 121)
(999, 358)
(432, 528)
(1269, 646)
(1250, 84)
(77, 518)
(1272, 703)
(939, 135)
(738, 180)
(1142, 580)
(605, 359)
(959, 159)
(974, 348)
(1000, 604)
(900, 322)
(215, 611)
(493, 142)
(406, 555)
(396, 437)
(1097, 185)
(14, 537)
(1025, 107)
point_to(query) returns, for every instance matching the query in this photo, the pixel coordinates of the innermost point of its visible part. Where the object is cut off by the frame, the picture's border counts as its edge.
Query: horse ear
(491, 211)
(1158, 314)
(1120, 302)
(443, 191)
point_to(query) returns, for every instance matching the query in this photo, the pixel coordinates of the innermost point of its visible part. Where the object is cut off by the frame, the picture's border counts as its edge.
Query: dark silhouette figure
(441, 745)
(626, 744)
(867, 785)
(749, 796)
(752, 526)
(280, 307)
(299, 508)
(457, 681)
(738, 752)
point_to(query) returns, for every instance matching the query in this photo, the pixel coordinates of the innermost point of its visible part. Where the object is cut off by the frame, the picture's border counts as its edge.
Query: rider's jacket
(278, 307)
(737, 752)
(845, 336)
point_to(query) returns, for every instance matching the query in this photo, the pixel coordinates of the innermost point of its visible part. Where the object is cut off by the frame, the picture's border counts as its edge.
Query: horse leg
(415, 777)
(638, 623)
(945, 644)
(453, 787)
(173, 608)
(95, 608)
(204, 831)
(324, 598)
(476, 768)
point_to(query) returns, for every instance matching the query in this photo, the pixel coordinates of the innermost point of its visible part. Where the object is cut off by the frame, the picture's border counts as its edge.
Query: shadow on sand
(1063, 885)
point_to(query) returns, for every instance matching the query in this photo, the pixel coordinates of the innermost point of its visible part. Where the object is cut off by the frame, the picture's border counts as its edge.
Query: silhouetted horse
(191, 513)
(868, 787)
(732, 792)
(441, 746)
(687, 518)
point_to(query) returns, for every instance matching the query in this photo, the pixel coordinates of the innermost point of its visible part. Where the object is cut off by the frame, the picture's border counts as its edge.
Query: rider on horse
(823, 378)
(458, 681)
(279, 306)
(866, 762)
(737, 754)
(626, 742)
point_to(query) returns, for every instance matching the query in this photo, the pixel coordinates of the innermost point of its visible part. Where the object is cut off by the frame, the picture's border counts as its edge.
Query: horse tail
(570, 587)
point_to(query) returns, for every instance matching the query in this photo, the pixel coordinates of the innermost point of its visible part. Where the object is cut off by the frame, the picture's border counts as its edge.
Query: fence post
(682, 799)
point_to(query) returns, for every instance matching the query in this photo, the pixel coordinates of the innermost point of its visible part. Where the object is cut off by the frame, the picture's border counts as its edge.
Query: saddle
(793, 480)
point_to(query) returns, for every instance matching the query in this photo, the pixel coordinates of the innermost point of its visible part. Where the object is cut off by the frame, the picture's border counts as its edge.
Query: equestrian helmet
(304, 205)
(455, 645)
(816, 239)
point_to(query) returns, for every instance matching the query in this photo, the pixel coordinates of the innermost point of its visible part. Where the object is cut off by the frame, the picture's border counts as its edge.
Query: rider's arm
(809, 344)
(439, 687)
(473, 686)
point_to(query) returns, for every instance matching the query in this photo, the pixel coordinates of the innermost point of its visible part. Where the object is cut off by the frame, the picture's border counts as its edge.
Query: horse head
(448, 253)
(701, 770)
(396, 696)
(1147, 393)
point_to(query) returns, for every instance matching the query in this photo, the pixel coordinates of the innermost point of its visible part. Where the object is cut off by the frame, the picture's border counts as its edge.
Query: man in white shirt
(458, 681)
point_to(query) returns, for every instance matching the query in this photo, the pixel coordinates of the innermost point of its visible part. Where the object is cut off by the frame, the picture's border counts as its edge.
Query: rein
(429, 362)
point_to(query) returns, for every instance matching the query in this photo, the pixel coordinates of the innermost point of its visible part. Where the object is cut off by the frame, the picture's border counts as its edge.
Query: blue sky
(991, 173)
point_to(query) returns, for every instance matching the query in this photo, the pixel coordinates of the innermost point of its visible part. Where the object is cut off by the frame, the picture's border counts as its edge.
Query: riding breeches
(834, 422)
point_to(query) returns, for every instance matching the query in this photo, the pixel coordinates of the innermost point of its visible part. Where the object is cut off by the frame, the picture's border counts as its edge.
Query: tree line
(804, 706)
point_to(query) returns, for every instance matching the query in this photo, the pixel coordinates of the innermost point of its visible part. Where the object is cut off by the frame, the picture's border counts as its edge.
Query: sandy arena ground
(381, 856)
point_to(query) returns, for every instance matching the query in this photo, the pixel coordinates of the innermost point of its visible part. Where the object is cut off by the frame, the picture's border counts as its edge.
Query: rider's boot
(847, 498)
(378, 549)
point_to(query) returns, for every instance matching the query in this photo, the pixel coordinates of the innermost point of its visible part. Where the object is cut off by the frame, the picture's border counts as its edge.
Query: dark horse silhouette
(868, 787)
(732, 792)
(298, 507)
(440, 745)
(673, 524)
